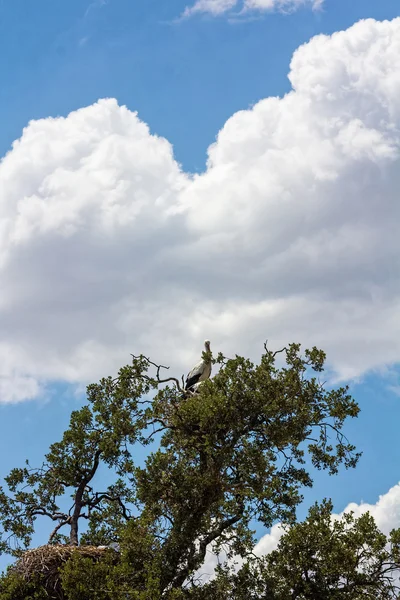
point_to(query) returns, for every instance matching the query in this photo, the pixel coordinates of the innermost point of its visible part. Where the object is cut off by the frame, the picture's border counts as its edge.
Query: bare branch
(106, 496)
(39, 511)
(57, 528)
(157, 378)
(284, 349)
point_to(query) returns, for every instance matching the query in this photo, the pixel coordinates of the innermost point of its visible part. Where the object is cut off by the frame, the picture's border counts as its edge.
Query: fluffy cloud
(219, 7)
(266, 544)
(386, 513)
(290, 234)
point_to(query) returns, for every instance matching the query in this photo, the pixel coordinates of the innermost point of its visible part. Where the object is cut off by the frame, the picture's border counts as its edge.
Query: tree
(93, 437)
(232, 453)
(323, 558)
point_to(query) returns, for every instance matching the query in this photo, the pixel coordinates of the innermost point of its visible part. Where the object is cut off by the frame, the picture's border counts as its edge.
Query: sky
(173, 172)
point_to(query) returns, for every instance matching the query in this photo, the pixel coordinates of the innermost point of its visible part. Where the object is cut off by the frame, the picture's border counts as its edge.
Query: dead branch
(157, 378)
(57, 528)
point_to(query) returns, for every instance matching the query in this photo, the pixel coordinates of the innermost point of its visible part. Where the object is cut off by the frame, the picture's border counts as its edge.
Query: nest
(46, 561)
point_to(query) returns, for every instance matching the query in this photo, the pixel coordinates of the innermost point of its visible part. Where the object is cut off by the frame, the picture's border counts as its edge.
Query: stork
(195, 389)
(200, 372)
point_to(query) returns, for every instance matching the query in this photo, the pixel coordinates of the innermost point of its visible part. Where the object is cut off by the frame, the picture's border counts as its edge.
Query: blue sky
(185, 79)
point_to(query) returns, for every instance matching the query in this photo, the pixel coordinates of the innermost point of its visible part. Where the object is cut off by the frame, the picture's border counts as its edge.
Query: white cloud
(18, 388)
(291, 233)
(270, 541)
(386, 513)
(214, 7)
(265, 545)
(95, 4)
(219, 7)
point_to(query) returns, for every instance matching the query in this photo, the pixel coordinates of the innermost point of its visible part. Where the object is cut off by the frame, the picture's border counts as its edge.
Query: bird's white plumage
(196, 387)
(199, 369)
(200, 372)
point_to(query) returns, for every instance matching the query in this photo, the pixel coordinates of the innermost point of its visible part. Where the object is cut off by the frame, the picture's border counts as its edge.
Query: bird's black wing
(190, 381)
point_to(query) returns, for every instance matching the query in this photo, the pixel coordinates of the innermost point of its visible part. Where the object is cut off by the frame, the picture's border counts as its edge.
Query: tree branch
(158, 367)
(105, 496)
(57, 528)
(196, 558)
(44, 513)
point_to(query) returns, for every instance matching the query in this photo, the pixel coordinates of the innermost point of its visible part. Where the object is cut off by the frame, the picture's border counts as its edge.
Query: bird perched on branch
(201, 371)
(195, 389)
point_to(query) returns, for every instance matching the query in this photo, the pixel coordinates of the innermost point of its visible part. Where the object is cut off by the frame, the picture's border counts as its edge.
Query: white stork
(195, 389)
(200, 372)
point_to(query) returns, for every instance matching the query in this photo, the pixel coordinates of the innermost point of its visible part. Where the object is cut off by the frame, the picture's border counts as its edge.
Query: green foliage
(320, 559)
(98, 433)
(14, 587)
(232, 453)
(84, 579)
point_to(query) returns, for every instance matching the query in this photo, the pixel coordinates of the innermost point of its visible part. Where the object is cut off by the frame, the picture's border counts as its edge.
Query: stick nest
(46, 561)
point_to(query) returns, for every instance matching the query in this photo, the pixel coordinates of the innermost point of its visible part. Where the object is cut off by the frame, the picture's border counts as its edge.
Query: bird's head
(207, 345)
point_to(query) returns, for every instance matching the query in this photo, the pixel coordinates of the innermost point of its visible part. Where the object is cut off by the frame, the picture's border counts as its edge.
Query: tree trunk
(73, 536)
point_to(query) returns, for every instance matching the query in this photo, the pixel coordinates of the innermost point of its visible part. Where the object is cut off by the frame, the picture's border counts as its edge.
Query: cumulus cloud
(265, 545)
(220, 7)
(291, 233)
(386, 513)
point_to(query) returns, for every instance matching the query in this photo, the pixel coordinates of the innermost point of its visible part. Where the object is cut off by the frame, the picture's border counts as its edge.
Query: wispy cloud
(95, 4)
(83, 41)
(213, 7)
(221, 7)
